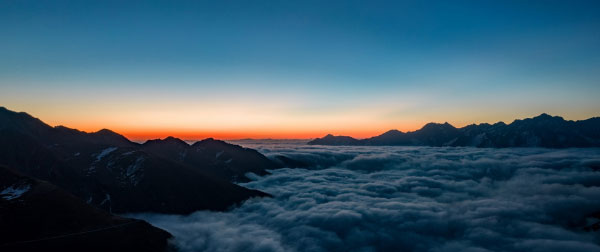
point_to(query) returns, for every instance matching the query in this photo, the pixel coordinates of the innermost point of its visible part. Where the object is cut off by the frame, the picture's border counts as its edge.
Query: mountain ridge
(543, 130)
(110, 172)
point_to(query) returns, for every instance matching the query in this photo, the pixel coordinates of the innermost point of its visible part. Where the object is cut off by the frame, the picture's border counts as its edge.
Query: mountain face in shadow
(226, 161)
(108, 171)
(38, 216)
(541, 131)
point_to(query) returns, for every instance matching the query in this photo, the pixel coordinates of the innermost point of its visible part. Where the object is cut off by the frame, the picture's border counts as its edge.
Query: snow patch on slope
(132, 172)
(104, 152)
(14, 191)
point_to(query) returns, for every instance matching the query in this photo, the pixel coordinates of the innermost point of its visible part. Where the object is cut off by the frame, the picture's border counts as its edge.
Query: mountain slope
(37, 216)
(541, 131)
(110, 172)
(224, 160)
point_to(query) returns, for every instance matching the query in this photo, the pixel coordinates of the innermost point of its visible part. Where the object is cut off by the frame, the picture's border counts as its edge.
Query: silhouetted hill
(37, 216)
(227, 161)
(335, 140)
(109, 171)
(541, 131)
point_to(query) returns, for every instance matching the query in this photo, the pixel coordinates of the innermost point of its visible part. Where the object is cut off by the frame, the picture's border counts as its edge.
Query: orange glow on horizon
(143, 134)
(233, 135)
(233, 123)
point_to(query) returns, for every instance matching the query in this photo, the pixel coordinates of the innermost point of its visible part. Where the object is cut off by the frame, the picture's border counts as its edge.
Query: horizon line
(196, 135)
(195, 139)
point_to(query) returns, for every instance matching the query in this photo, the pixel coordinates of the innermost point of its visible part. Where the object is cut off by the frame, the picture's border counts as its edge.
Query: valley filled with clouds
(406, 199)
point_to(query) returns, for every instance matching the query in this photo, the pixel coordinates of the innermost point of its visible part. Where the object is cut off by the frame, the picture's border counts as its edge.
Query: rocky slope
(38, 216)
(227, 161)
(107, 170)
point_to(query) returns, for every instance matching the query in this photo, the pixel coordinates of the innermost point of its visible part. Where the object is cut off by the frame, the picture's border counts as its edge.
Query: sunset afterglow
(288, 70)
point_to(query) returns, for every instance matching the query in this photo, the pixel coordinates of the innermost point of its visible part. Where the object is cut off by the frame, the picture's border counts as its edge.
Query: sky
(296, 69)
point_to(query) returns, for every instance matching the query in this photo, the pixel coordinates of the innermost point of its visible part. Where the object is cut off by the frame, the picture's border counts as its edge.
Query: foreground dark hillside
(38, 216)
(541, 131)
(107, 170)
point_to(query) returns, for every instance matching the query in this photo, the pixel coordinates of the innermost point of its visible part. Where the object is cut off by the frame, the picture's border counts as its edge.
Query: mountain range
(59, 187)
(540, 131)
(58, 181)
(112, 173)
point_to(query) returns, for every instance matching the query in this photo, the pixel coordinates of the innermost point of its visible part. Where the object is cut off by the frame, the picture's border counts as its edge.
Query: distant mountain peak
(211, 142)
(541, 131)
(393, 132)
(168, 140)
(544, 115)
(171, 139)
(106, 132)
(330, 139)
(547, 117)
(432, 125)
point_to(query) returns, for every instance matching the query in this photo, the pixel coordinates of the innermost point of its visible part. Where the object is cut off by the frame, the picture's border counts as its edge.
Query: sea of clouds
(407, 199)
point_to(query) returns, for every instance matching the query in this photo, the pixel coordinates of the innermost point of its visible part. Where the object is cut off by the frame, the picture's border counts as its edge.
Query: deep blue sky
(326, 65)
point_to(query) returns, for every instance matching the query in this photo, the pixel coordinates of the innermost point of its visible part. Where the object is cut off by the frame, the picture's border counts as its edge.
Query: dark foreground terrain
(110, 172)
(38, 216)
(60, 186)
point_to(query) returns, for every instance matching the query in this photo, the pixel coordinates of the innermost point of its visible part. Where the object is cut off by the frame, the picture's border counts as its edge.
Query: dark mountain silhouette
(335, 140)
(38, 216)
(219, 158)
(541, 131)
(107, 170)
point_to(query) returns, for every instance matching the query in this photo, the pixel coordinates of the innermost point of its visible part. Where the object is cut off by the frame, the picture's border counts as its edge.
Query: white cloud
(407, 199)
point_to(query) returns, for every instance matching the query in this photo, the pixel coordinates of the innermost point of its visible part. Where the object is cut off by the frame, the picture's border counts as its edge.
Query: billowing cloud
(407, 199)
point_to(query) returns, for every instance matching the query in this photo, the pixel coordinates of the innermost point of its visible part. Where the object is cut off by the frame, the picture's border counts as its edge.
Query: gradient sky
(296, 69)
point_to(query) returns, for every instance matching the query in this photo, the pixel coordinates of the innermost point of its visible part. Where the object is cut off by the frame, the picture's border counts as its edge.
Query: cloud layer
(407, 199)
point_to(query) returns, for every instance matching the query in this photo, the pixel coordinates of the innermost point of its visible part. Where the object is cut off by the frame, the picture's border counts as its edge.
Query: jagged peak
(544, 115)
(547, 116)
(167, 140)
(433, 125)
(210, 140)
(541, 117)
